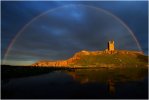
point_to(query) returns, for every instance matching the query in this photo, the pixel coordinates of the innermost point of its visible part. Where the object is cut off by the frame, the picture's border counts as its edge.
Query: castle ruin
(110, 49)
(111, 46)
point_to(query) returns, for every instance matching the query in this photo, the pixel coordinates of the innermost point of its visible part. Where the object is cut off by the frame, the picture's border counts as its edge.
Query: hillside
(100, 59)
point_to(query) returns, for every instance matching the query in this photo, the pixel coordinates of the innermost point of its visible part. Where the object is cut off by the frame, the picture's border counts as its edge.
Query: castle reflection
(110, 77)
(111, 87)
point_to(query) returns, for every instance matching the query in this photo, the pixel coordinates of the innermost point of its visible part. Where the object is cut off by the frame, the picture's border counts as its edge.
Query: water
(80, 83)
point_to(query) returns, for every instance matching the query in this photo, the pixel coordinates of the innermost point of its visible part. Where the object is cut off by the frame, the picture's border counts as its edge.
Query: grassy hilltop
(103, 59)
(100, 59)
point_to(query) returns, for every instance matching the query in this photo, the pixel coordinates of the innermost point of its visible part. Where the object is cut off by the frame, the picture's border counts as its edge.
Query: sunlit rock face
(61, 32)
(52, 63)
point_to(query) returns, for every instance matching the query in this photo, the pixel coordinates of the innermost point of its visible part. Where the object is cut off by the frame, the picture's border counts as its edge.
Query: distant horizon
(32, 62)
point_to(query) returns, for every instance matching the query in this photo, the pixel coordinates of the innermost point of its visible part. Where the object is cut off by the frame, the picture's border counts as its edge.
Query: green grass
(116, 59)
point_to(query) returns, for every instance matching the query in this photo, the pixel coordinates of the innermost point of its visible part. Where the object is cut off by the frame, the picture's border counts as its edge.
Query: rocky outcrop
(78, 55)
(51, 63)
(62, 63)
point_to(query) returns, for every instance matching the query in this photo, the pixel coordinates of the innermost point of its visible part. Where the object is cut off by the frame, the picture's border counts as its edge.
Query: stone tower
(111, 46)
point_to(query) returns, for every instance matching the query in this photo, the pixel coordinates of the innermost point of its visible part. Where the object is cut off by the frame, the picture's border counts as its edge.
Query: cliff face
(98, 58)
(50, 63)
(64, 63)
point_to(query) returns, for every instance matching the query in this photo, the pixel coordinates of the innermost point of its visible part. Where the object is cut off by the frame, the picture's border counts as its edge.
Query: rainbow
(35, 18)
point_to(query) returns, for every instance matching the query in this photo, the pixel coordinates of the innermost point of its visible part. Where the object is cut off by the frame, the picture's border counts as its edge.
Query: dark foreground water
(80, 83)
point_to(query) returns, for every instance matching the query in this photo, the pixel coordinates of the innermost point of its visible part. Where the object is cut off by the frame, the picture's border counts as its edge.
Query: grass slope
(111, 59)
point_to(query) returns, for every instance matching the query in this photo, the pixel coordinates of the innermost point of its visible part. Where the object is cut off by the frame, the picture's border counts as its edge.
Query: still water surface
(80, 83)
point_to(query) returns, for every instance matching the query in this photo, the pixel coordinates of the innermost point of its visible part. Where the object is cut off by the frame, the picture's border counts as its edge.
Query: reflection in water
(85, 80)
(111, 86)
(75, 77)
(109, 76)
(80, 83)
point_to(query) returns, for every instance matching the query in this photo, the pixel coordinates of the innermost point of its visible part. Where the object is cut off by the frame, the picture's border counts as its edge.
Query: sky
(67, 27)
